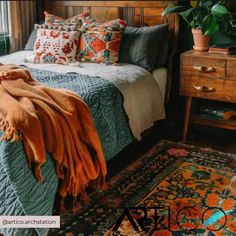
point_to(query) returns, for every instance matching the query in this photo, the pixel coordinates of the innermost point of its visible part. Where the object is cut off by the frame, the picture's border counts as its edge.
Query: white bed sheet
(160, 76)
(143, 99)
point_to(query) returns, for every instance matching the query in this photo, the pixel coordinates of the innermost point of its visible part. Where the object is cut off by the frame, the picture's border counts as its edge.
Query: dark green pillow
(143, 46)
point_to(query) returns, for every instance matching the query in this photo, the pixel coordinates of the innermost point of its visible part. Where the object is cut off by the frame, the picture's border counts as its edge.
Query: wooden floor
(218, 139)
(202, 136)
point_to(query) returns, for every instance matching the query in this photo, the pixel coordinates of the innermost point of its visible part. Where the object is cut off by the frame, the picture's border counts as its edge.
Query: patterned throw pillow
(55, 46)
(117, 24)
(101, 43)
(61, 27)
(83, 19)
(52, 19)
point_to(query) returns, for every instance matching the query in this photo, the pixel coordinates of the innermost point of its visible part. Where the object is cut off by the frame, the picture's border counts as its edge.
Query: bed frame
(136, 13)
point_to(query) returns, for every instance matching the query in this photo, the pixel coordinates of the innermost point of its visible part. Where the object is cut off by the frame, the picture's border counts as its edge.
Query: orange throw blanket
(56, 120)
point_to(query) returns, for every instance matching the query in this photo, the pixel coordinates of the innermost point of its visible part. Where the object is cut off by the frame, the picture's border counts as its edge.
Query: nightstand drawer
(215, 89)
(231, 70)
(203, 67)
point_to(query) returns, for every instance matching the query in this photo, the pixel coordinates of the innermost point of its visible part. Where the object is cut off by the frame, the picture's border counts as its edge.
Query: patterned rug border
(136, 167)
(205, 149)
(165, 142)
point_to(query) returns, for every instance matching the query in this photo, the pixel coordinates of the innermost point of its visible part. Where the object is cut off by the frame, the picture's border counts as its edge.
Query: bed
(125, 100)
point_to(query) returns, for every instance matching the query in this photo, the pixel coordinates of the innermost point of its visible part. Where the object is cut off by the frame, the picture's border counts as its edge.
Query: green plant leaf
(191, 24)
(174, 9)
(210, 25)
(207, 4)
(186, 13)
(194, 3)
(219, 10)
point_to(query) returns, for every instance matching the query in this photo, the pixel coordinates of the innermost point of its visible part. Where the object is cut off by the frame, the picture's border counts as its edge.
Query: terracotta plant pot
(201, 42)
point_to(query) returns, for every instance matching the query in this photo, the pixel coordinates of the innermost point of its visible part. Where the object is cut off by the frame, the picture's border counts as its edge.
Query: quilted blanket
(20, 193)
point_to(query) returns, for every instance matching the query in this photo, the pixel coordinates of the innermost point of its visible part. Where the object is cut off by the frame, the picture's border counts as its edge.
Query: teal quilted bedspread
(20, 193)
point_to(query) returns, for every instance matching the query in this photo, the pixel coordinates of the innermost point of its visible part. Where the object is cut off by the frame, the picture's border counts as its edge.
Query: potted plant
(203, 16)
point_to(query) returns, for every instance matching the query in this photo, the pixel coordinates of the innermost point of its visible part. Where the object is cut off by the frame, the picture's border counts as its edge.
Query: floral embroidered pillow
(101, 43)
(55, 46)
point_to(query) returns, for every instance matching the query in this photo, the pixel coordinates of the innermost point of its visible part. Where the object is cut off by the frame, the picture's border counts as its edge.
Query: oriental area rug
(174, 189)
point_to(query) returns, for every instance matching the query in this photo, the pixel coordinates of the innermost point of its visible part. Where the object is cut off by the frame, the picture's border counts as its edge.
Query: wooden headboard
(136, 13)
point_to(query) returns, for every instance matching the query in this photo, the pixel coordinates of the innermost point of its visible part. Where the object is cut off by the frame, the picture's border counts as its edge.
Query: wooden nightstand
(207, 76)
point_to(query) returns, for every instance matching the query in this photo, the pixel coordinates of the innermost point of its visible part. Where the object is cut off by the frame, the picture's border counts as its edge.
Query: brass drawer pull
(204, 69)
(203, 88)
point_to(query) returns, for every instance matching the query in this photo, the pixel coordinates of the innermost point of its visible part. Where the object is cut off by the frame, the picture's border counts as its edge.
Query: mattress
(143, 92)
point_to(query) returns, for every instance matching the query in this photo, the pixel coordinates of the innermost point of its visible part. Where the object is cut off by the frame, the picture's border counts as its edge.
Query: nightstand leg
(186, 118)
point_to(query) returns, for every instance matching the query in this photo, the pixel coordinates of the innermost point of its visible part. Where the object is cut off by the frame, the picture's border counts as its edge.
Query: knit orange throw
(56, 120)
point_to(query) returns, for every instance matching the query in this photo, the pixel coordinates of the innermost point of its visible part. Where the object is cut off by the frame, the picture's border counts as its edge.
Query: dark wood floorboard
(215, 138)
(218, 139)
